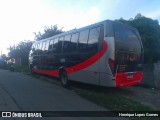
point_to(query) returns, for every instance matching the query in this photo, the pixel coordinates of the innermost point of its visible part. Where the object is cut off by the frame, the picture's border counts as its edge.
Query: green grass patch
(113, 102)
(21, 68)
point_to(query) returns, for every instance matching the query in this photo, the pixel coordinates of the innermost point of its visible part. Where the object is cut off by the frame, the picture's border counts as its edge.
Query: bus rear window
(128, 48)
(126, 38)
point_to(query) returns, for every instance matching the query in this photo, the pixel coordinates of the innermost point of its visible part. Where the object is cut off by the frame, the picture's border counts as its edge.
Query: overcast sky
(20, 18)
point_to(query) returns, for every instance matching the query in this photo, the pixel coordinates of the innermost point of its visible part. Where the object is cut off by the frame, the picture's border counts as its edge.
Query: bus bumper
(124, 79)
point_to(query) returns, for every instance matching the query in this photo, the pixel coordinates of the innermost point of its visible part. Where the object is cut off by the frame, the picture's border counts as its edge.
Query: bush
(21, 68)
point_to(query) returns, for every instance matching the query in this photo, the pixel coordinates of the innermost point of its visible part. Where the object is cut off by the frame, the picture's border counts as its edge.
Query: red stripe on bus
(88, 62)
(47, 72)
(123, 80)
(77, 67)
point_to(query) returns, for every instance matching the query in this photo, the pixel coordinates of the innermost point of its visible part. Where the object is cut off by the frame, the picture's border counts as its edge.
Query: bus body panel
(86, 71)
(91, 74)
(85, 76)
(106, 76)
(107, 80)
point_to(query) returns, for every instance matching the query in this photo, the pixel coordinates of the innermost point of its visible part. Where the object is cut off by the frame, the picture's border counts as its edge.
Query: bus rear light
(111, 64)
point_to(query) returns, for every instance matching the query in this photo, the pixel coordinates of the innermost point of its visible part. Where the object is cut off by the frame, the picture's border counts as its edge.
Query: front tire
(64, 79)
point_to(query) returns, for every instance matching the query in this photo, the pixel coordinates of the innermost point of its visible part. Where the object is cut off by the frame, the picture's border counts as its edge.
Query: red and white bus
(107, 53)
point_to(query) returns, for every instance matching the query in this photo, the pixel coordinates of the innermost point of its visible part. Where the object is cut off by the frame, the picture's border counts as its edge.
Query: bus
(108, 53)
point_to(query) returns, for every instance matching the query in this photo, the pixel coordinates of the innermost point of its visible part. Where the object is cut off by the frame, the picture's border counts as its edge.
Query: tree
(3, 56)
(149, 30)
(138, 16)
(48, 32)
(21, 51)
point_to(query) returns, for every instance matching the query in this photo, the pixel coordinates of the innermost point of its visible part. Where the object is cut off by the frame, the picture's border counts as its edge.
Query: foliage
(149, 30)
(48, 32)
(22, 68)
(113, 102)
(21, 51)
(3, 56)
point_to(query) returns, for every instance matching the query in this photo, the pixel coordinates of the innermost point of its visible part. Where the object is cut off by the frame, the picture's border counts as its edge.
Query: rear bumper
(123, 80)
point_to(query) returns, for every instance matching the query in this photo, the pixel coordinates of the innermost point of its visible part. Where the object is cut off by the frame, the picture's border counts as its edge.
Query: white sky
(20, 18)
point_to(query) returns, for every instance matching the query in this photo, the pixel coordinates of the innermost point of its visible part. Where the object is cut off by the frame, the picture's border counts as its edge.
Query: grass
(113, 102)
(21, 68)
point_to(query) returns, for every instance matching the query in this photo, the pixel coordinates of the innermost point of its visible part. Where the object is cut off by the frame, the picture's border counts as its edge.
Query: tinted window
(47, 46)
(50, 45)
(36, 49)
(74, 40)
(67, 44)
(40, 48)
(43, 46)
(32, 49)
(60, 44)
(55, 46)
(37, 46)
(126, 38)
(82, 44)
(61, 39)
(33, 46)
(128, 48)
(93, 39)
(67, 38)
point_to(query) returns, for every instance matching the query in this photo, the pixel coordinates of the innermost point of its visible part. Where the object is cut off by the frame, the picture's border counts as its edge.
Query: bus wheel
(64, 79)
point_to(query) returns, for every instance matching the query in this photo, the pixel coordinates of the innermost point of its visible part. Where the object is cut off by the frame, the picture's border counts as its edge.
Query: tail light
(111, 65)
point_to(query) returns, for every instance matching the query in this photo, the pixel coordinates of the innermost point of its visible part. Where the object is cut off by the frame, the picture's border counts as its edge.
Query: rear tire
(64, 79)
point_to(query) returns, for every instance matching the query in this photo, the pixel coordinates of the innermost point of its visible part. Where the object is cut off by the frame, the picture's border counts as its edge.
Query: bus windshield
(128, 53)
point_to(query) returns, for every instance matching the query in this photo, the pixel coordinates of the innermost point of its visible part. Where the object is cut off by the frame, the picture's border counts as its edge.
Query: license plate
(129, 75)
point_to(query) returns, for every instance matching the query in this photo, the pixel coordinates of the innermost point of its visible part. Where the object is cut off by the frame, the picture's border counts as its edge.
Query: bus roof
(108, 29)
(75, 30)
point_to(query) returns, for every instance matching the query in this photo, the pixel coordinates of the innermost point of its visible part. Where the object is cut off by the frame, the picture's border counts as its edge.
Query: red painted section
(89, 61)
(123, 80)
(77, 67)
(47, 72)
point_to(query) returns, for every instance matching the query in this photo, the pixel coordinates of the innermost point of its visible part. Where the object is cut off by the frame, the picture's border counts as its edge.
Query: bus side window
(31, 50)
(67, 44)
(55, 46)
(94, 36)
(50, 46)
(40, 48)
(46, 47)
(74, 40)
(60, 43)
(34, 49)
(33, 46)
(82, 44)
(43, 47)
